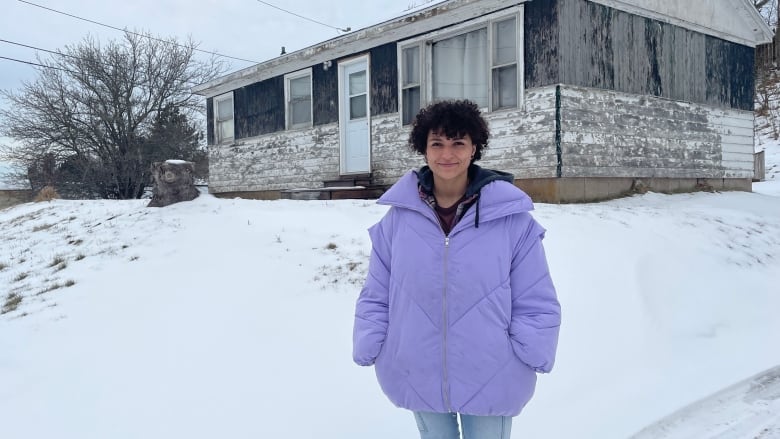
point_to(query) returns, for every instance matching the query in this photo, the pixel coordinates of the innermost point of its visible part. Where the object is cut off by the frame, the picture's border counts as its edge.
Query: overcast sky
(245, 29)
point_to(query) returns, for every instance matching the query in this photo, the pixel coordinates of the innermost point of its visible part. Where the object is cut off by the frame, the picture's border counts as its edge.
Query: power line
(134, 33)
(38, 48)
(63, 54)
(145, 87)
(37, 64)
(301, 16)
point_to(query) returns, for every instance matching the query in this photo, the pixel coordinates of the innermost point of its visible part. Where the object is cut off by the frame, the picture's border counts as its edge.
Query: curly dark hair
(453, 118)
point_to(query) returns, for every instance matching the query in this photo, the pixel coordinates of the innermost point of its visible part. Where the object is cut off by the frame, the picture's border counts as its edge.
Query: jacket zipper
(445, 383)
(445, 377)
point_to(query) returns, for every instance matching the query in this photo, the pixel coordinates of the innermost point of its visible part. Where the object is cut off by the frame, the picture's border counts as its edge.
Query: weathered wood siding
(210, 121)
(259, 108)
(522, 142)
(587, 44)
(325, 94)
(384, 79)
(390, 155)
(730, 74)
(540, 43)
(612, 134)
(283, 160)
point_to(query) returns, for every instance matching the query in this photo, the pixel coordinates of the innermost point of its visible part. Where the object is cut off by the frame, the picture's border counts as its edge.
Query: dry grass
(12, 302)
(56, 286)
(42, 227)
(21, 276)
(56, 261)
(3, 266)
(48, 193)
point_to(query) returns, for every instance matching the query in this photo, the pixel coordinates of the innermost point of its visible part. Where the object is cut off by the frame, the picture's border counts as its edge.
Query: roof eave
(392, 30)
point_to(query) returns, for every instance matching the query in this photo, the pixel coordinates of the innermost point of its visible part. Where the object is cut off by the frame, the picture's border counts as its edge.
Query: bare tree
(760, 3)
(94, 109)
(767, 97)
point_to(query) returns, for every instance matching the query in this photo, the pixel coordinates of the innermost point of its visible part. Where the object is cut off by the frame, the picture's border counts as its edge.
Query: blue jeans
(445, 426)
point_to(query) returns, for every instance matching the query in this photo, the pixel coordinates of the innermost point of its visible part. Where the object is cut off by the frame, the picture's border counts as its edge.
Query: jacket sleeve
(536, 313)
(371, 311)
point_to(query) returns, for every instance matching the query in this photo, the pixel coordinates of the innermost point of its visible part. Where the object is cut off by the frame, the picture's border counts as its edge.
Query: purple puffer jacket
(460, 323)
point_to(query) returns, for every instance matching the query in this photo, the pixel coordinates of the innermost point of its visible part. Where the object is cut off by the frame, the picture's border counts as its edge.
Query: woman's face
(448, 158)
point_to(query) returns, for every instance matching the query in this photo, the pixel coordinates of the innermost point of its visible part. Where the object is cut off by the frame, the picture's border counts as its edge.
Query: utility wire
(38, 48)
(301, 16)
(63, 54)
(134, 33)
(75, 73)
(37, 64)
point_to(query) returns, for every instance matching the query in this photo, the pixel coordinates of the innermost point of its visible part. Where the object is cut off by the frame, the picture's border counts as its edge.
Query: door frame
(342, 111)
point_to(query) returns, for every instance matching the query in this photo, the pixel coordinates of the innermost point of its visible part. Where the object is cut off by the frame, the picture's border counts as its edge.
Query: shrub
(48, 193)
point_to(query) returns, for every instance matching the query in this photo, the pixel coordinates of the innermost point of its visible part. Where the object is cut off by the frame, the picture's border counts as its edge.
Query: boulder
(173, 183)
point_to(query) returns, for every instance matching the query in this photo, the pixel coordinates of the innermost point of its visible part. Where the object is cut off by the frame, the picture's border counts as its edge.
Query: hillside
(232, 318)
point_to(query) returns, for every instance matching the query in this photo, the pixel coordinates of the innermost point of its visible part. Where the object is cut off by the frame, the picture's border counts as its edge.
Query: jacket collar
(496, 197)
(478, 178)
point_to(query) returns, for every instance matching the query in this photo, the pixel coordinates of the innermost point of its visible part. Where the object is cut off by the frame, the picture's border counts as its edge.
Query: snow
(747, 409)
(233, 318)
(177, 162)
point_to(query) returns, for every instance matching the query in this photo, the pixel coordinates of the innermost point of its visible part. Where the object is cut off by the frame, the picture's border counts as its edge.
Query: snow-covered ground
(748, 409)
(232, 318)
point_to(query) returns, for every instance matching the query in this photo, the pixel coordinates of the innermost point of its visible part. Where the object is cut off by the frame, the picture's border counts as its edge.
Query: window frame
(426, 42)
(288, 78)
(419, 84)
(218, 140)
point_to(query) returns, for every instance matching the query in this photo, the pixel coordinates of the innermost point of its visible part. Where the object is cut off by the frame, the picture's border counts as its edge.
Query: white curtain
(460, 67)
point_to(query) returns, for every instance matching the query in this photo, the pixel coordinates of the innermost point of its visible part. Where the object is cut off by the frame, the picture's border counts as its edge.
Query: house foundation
(590, 189)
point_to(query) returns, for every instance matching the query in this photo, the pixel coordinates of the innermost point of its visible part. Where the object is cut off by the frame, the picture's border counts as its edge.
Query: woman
(458, 312)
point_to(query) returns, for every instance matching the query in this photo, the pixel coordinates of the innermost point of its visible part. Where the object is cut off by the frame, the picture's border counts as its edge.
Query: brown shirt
(447, 215)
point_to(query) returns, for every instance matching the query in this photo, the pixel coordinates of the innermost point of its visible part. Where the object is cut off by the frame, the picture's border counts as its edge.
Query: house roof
(415, 23)
(732, 20)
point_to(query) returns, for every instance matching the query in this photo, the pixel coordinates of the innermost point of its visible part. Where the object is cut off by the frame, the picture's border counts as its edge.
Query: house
(12, 192)
(586, 99)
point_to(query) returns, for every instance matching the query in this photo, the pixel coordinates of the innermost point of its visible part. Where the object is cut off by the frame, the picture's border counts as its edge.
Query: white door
(354, 116)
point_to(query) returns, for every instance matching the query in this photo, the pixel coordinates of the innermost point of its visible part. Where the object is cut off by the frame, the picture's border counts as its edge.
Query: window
(223, 118)
(358, 95)
(459, 67)
(479, 60)
(410, 83)
(504, 64)
(297, 91)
